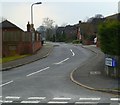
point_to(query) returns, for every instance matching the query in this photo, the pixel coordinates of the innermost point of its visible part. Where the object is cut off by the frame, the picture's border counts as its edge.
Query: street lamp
(32, 27)
(32, 10)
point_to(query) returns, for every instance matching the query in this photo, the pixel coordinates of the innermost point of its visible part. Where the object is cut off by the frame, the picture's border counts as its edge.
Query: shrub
(76, 41)
(109, 36)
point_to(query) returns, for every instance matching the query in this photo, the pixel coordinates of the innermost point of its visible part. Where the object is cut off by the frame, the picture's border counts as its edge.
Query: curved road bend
(48, 80)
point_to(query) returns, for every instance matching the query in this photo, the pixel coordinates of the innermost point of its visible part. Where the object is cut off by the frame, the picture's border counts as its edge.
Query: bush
(109, 36)
(76, 41)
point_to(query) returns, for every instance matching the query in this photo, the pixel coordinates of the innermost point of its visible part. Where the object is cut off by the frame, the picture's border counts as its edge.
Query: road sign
(110, 62)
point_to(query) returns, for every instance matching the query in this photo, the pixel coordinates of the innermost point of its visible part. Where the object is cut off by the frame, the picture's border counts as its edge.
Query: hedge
(109, 36)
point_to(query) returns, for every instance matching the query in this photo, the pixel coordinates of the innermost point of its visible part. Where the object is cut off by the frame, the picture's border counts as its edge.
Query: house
(67, 33)
(87, 32)
(17, 42)
(114, 17)
(70, 32)
(83, 31)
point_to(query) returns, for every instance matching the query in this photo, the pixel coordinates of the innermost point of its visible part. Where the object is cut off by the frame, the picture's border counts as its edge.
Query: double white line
(88, 99)
(93, 99)
(115, 99)
(59, 100)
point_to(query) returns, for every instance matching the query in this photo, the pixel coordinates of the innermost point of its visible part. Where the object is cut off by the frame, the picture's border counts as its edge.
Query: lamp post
(32, 25)
(32, 10)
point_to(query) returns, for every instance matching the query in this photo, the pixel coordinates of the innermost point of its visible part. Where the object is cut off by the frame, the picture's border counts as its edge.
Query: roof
(114, 16)
(8, 24)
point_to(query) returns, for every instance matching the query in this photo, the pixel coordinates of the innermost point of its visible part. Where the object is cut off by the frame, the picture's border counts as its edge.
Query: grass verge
(11, 58)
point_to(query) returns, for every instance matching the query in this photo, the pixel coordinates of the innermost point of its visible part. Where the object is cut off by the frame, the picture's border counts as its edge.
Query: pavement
(42, 53)
(90, 75)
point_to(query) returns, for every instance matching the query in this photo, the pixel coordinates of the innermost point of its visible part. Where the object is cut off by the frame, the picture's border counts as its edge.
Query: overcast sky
(61, 11)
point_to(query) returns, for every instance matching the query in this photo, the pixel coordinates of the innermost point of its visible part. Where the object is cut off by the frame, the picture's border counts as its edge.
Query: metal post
(32, 25)
(32, 13)
(32, 10)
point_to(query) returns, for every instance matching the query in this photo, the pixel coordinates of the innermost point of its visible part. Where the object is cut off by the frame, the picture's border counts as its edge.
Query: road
(48, 80)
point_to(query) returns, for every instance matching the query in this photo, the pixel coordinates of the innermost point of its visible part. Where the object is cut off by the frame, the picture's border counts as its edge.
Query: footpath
(91, 74)
(42, 53)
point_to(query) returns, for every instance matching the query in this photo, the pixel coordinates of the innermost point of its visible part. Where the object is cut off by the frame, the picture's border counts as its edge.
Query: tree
(90, 19)
(99, 16)
(48, 23)
(50, 29)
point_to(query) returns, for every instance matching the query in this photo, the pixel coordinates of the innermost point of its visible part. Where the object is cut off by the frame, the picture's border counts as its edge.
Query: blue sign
(114, 64)
(110, 62)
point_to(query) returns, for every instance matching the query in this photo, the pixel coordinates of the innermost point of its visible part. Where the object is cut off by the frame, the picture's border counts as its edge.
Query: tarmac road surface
(48, 80)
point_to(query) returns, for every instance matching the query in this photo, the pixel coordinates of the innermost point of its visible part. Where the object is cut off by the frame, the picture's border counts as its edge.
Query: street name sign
(110, 62)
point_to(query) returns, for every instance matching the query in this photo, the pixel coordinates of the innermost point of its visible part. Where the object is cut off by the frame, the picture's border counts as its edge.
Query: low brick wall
(29, 47)
(10, 49)
(25, 48)
(37, 46)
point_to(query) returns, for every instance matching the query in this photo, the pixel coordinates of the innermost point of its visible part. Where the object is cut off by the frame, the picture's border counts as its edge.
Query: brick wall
(37, 46)
(23, 46)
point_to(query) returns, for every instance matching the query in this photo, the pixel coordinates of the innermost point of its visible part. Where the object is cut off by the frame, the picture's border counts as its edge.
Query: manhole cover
(95, 72)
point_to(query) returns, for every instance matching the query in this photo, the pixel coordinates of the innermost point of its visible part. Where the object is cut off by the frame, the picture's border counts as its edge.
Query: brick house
(89, 30)
(87, 33)
(16, 42)
(67, 33)
(71, 32)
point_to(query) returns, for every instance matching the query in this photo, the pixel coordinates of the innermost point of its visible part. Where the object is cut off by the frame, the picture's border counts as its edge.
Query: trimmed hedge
(109, 36)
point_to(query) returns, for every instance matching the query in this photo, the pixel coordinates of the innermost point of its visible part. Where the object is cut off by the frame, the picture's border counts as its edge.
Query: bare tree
(48, 23)
(50, 29)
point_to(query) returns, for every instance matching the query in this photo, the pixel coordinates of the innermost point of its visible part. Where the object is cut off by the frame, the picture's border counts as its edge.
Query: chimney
(28, 27)
(79, 22)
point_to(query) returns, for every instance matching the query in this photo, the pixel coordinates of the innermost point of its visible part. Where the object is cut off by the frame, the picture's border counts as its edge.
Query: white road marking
(2, 101)
(57, 102)
(62, 61)
(0, 96)
(73, 54)
(86, 103)
(57, 98)
(89, 98)
(37, 98)
(30, 101)
(12, 97)
(115, 99)
(37, 71)
(6, 83)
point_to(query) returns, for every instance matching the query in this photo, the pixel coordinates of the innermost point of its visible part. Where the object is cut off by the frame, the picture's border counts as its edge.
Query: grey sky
(61, 12)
